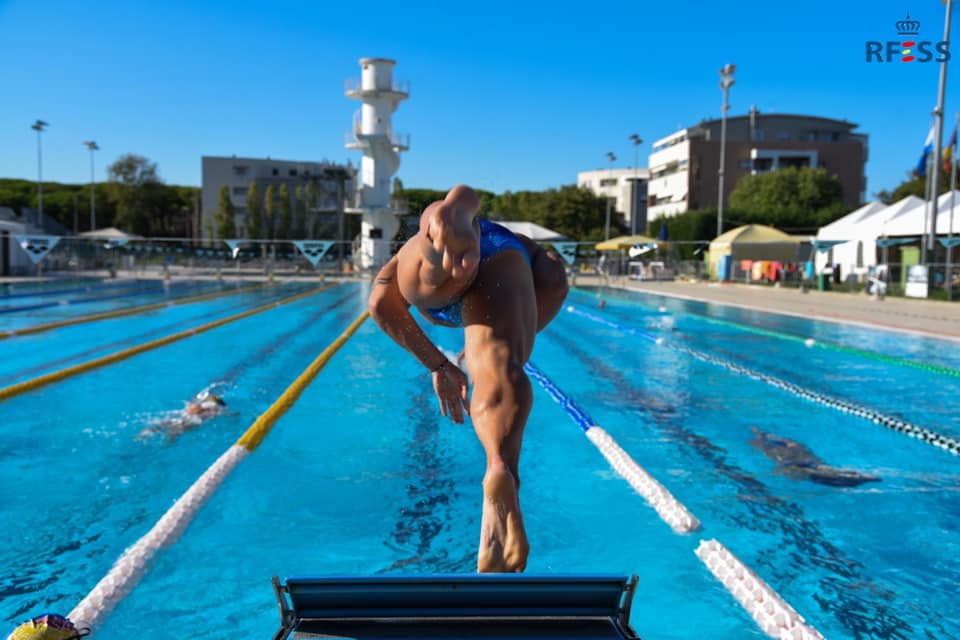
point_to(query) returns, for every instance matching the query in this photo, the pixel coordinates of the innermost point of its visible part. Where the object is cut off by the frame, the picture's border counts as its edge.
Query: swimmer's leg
(500, 317)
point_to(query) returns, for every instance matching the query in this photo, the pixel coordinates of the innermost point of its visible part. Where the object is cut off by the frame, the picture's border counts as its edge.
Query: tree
(795, 198)
(284, 224)
(254, 218)
(300, 212)
(914, 185)
(270, 212)
(226, 227)
(140, 199)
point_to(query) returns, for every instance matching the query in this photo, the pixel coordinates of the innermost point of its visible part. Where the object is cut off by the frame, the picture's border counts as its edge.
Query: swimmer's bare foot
(503, 541)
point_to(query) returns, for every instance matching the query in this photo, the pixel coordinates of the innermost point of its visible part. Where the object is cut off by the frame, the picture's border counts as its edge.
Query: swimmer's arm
(391, 311)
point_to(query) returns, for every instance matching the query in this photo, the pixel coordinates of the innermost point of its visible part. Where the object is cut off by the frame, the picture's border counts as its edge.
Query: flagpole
(953, 185)
(938, 136)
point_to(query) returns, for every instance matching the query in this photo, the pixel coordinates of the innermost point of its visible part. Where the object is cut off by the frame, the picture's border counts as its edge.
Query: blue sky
(504, 95)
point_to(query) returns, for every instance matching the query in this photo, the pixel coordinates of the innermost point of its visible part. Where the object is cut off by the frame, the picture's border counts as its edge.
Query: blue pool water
(364, 476)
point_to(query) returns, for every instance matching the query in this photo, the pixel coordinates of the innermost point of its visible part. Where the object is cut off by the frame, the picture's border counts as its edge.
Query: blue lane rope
(98, 286)
(947, 443)
(573, 410)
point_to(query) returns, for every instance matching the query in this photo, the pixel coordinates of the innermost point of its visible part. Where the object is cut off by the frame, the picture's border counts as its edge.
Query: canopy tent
(860, 230)
(109, 233)
(844, 228)
(532, 230)
(915, 221)
(754, 242)
(625, 242)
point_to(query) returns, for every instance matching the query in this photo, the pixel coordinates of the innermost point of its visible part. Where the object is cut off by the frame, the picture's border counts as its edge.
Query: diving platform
(475, 606)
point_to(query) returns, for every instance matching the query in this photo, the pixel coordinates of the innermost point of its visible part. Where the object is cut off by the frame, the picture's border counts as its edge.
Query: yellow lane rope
(56, 376)
(128, 570)
(118, 313)
(259, 429)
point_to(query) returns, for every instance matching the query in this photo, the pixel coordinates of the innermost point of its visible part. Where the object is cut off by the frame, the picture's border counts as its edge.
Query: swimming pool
(364, 476)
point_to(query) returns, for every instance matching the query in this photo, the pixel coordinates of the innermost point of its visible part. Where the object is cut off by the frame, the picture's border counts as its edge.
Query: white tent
(843, 229)
(109, 233)
(532, 230)
(861, 233)
(916, 221)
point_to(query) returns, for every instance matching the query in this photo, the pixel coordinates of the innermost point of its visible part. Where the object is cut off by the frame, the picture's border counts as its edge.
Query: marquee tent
(532, 230)
(754, 242)
(860, 230)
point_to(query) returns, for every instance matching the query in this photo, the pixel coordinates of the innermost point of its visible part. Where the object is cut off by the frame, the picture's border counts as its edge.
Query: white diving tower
(373, 135)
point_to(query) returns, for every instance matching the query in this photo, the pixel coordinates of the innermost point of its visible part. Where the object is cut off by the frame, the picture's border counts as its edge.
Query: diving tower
(373, 135)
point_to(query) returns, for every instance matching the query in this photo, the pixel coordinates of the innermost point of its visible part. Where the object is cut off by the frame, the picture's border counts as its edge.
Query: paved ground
(926, 317)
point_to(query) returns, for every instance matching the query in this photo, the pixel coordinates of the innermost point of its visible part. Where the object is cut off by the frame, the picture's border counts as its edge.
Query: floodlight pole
(637, 141)
(726, 81)
(606, 227)
(937, 137)
(92, 146)
(39, 126)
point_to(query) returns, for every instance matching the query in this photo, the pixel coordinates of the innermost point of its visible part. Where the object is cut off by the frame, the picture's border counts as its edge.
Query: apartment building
(627, 190)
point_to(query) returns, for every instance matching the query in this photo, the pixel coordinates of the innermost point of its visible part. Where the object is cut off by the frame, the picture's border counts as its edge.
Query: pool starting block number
(477, 606)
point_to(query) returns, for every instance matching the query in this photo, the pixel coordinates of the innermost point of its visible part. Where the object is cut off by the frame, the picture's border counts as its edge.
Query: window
(239, 170)
(276, 171)
(239, 191)
(608, 182)
(783, 135)
(762, 164)
(794, 161)
(293, 172)
(745, 164)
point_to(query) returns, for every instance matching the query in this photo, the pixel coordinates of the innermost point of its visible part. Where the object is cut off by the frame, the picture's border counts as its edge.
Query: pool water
(364, 476)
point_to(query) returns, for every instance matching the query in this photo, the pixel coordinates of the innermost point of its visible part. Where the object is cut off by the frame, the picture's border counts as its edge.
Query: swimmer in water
(796, 461)
(202, 407)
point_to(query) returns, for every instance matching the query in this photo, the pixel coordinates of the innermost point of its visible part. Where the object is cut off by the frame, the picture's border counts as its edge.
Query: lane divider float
(657, 496)
(810, 342)
(771, 612)
(127, 294)
(119, 313)
(62, 374)
(939, 440)
(135, 561)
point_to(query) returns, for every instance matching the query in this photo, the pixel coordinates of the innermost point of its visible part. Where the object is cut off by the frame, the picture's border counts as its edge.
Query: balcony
(353, 88)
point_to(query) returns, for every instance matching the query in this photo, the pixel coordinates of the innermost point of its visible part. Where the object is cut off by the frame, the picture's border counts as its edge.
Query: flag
(927, 150)
(950, 151)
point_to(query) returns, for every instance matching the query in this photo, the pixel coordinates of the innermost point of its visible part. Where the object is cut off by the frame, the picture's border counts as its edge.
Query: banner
(916, 281)
(37, 247)
(313, 250)
(567, 250)
(234, 247)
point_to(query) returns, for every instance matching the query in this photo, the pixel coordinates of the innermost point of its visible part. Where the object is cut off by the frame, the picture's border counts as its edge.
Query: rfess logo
(909, 49)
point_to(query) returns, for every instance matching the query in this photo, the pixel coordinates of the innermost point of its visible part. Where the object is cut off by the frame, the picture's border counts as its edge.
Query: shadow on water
(863, 607)
(430, 492)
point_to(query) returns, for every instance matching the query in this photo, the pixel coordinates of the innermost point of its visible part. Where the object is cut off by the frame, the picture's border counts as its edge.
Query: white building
(625, 187)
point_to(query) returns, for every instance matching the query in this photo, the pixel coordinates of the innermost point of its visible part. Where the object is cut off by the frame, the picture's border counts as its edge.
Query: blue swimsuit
(494, 238)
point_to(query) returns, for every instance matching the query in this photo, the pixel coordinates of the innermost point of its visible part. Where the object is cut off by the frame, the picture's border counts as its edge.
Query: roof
(840, 229)
(624, 242)
(532, 230)
(753, 233)
(110, 233)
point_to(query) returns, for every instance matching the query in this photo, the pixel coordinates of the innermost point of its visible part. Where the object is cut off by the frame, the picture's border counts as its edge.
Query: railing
(352, 85)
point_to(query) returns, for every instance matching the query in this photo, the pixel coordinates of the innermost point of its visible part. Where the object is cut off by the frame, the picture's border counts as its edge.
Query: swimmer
(796, 461)
(196, 411)
(501, 289)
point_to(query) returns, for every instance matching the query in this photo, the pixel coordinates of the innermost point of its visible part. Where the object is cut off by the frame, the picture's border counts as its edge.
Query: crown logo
(908, 27)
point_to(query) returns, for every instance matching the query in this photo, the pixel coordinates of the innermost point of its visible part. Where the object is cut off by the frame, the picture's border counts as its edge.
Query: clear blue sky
(503, 95)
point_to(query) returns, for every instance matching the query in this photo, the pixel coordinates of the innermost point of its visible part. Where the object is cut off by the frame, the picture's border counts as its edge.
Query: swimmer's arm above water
(391, 311)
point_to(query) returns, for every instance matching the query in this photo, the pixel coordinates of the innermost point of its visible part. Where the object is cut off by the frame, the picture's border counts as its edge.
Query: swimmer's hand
(453, 242)
(450, 384)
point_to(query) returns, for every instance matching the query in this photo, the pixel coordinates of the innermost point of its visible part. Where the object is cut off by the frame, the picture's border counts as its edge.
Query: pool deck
(938, 319)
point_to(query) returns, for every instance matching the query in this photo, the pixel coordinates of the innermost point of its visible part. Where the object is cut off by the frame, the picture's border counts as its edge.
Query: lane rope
(119, 313)
(939, 440)
(770, 611)
(657, 496)
(62, 374)
(127, 294)
(810, 342)
(133, 564)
